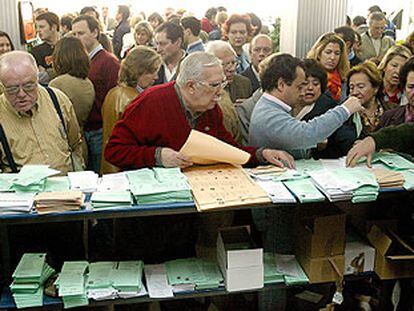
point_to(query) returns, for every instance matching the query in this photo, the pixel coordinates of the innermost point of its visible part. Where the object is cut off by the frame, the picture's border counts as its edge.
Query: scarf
(334, 84)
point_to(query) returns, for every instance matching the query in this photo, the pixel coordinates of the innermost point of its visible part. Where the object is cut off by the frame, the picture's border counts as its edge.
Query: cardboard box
(323, 269)
(395, 256)
(359, 257)
(321, 232)
(239, 260)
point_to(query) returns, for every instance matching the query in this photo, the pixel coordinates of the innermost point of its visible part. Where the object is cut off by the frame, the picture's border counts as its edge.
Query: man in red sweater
(157, 123)
(103, 73)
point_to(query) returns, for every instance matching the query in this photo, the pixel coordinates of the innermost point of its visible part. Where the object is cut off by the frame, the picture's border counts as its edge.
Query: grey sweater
(272, 126)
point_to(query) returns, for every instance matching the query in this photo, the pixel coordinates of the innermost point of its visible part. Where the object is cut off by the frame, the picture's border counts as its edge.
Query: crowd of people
(110, 94)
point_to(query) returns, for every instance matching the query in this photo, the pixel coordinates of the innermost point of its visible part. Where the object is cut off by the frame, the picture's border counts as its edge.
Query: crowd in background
(98, 64)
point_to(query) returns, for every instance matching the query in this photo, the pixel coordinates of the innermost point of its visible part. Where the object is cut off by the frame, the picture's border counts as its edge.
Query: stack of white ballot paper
(12, 203)
(334, 188)
(277, 191)
(86, 181)
(113, 182)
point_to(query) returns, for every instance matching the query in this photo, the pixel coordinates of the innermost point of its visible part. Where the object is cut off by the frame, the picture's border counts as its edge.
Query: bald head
(18, 74)
(20, 62)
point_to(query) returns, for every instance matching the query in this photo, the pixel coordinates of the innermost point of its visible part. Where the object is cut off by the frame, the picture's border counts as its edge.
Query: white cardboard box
(359, 257)
(240, 262)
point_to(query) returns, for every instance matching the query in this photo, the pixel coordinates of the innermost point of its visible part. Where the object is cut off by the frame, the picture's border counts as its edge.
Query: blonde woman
(391, 93)
(330, 51)
(138, 71)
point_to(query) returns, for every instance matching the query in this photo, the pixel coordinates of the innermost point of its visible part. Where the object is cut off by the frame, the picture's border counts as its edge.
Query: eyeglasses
(214, 85)
(15, 89)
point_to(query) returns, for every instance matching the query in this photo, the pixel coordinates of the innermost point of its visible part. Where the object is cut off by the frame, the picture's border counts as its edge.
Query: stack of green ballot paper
(28, 279)
(304, 190)
(127, 277)
(283, 269)
(393, 161)
(32, 178)
(99, 284)
(111, 199)
(59, 183)
(193, 273)
(71, 284)
(159, 185)
(365, 183)
(271, 274)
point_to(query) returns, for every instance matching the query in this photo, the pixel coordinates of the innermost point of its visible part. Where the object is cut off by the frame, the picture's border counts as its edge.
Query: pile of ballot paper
(71, 284)
(31, 178)
(57, 183)
(113, 182)
(111, 199)
(389, 179)
(159, 185)
(12, 203)
(59, 201)
(193, 273)
(393, 161)
(358, 184)
(85, 181)
(110, 280)
(28, 279)
(283, 268)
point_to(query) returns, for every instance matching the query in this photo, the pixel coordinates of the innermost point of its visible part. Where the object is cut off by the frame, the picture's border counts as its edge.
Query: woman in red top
(330, 51)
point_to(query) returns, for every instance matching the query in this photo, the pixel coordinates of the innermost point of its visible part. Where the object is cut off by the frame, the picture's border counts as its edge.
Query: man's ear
(190, 86)
(96, 34)
(280, 85)
(179, 42)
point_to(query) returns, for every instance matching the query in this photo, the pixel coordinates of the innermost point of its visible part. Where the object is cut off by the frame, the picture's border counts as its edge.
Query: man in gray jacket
(272, 124)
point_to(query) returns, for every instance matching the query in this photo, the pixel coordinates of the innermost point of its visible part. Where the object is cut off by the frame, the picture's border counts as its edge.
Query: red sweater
(156, 119)
(103, 73)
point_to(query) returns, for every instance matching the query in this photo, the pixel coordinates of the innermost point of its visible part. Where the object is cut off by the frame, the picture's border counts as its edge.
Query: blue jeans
(94, 141)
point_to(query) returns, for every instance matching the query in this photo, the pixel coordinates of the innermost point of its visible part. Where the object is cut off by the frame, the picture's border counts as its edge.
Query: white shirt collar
(95, 51)
(277, 101)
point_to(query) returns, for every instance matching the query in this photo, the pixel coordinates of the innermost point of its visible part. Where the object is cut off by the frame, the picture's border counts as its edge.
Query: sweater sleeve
(129, 146)
(275, 128)
(399, 138)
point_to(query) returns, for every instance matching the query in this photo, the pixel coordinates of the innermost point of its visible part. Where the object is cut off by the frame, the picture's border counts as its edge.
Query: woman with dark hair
(238, 31)
(6, 45)
(71, 64)
(364, 81)
(330, 51)
(155, 19)
(402, 114)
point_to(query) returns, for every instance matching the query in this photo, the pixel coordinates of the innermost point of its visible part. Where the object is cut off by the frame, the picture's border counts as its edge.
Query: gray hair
(216, 46)
(16, 58)
(376, 16)
(193, 66)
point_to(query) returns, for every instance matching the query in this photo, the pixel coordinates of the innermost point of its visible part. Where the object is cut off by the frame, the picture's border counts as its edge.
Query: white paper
(157, 283)
(277, 191)
(114, 182)
(86, 181)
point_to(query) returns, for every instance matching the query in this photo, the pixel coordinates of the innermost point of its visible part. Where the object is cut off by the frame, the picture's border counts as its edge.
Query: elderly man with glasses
(33, 130)
(156, 124)
(237, 90)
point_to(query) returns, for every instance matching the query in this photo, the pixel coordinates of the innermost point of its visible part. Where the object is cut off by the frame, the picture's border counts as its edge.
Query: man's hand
(353, 104)
(279, 158)
(365, 147)
(172, 158)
